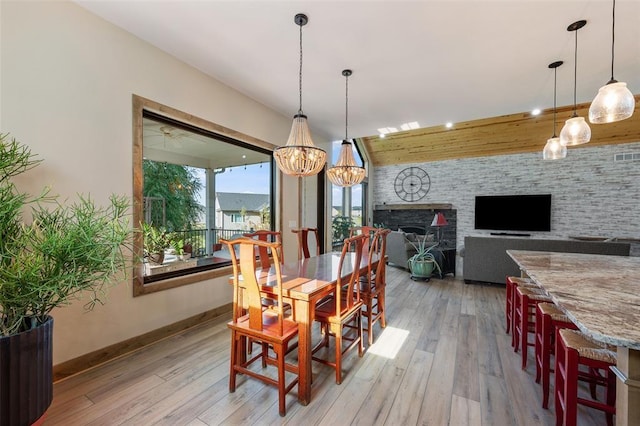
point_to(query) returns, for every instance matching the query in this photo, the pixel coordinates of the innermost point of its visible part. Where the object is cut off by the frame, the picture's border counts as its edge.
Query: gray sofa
(399, 248)
(486, 258)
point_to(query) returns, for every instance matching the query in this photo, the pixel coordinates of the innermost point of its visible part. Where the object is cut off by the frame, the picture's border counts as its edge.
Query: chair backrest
(367, 231)
(303, 242)
(378, 249)
(248, 279)
(347, 290)
(266, 252)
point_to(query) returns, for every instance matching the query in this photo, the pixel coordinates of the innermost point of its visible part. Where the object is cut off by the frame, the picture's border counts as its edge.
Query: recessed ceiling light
(536, 111)
(382, 135)
(449, 125)
(386, 130)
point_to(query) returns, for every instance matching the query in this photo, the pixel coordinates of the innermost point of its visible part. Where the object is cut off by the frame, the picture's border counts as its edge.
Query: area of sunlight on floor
(389, 342)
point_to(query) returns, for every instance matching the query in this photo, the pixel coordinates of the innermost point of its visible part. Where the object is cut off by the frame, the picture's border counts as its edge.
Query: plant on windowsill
(61, 253)
(156, 241)
(425, 261)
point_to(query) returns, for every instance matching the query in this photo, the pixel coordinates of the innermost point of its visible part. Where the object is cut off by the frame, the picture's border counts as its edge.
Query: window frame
(141, 106)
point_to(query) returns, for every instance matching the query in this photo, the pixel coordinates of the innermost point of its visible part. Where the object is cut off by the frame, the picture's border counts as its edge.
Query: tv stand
(510, 234)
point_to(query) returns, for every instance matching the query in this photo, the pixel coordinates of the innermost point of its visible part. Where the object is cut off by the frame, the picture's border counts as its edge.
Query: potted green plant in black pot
(59, 253)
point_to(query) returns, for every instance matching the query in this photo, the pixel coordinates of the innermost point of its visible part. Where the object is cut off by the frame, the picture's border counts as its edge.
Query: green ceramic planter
(421, 268)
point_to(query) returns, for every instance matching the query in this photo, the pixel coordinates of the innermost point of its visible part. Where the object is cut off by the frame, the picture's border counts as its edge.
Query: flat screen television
(513, 212)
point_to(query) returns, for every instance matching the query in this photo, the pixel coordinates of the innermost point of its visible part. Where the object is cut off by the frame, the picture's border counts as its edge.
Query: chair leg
(360, 335)
(280, 353)
(524, 327)
(546, 360)
(515, 323)
(611, 394)
(338, 337)
(560, 376)
(370, 315)
(508, 306)
(233, 362)
(539, 338)
(381, 300)
(265, 354)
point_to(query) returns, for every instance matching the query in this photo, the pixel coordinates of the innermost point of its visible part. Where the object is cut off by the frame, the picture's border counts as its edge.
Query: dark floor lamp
(438, 222)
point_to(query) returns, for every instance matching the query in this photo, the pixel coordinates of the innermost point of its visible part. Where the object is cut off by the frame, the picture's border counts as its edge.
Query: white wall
(66, 84)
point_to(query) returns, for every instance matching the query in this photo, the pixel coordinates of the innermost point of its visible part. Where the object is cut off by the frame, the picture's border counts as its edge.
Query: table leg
(627, 387)
(303, 317)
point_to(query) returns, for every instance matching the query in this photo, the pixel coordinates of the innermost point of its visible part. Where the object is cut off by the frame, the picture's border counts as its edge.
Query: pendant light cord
(575, 76)
(555, 79)
(300, 72)
(346, 107)
(613, 37)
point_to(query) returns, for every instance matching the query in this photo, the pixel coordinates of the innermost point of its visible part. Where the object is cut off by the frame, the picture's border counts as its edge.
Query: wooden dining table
(601, 295)
(305, 282)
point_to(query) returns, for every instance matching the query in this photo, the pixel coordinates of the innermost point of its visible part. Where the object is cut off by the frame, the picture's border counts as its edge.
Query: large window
(194, 184)
(348, 205)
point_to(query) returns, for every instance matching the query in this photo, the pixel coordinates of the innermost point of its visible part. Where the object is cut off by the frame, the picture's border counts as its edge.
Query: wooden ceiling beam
(502, 135)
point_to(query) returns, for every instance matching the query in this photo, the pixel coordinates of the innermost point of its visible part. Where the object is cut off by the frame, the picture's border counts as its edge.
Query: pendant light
(554, 150)
(614, 101)
(576, 131)
(346, 172)
(300, 157)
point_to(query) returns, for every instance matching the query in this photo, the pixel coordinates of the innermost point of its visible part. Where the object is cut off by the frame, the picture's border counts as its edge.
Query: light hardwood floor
(444, 358)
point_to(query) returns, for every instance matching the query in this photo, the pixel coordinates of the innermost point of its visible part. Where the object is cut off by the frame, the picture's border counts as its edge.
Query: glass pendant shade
(300, 157)
(576, 131)
(346, 172)
(614, 102)
(554, 150)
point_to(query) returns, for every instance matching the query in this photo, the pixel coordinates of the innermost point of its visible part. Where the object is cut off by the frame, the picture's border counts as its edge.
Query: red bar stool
(549, 317)
(512, 283)
(574, 348)
(524, 317)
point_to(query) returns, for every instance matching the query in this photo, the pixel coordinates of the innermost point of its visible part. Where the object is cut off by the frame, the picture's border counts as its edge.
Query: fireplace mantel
(431, 206)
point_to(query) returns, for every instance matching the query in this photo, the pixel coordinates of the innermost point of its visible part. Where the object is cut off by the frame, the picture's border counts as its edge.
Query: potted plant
(425, 260)
(178, 245)
(156, 241)
(61, 253)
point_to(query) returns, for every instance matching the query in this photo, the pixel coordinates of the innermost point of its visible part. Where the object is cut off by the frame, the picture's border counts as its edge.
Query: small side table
(449, 263)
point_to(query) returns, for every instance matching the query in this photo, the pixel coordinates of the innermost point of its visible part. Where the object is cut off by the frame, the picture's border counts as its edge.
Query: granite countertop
(601, 294)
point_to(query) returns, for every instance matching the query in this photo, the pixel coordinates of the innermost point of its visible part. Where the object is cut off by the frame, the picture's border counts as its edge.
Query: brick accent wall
(592, 195)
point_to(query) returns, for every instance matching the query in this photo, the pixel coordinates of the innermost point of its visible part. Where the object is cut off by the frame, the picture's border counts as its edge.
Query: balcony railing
(203, 241)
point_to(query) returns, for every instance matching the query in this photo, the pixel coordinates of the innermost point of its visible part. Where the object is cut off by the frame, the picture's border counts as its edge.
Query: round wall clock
(412, 184)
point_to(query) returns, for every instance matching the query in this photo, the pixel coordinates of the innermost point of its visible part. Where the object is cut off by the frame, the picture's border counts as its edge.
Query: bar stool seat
(574, 348)
(549, 317)
(524, 317)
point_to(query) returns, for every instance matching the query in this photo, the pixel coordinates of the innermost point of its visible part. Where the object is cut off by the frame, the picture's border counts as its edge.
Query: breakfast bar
(601, 295)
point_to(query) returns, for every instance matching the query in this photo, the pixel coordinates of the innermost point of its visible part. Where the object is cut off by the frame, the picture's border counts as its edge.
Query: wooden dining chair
(251, 321)
(372, 285)
(342, 311)
(367, 231)
(265, 253)
(303, 242)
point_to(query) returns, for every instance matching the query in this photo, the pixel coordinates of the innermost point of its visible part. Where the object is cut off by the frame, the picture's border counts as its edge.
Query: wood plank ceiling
(507, 134)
